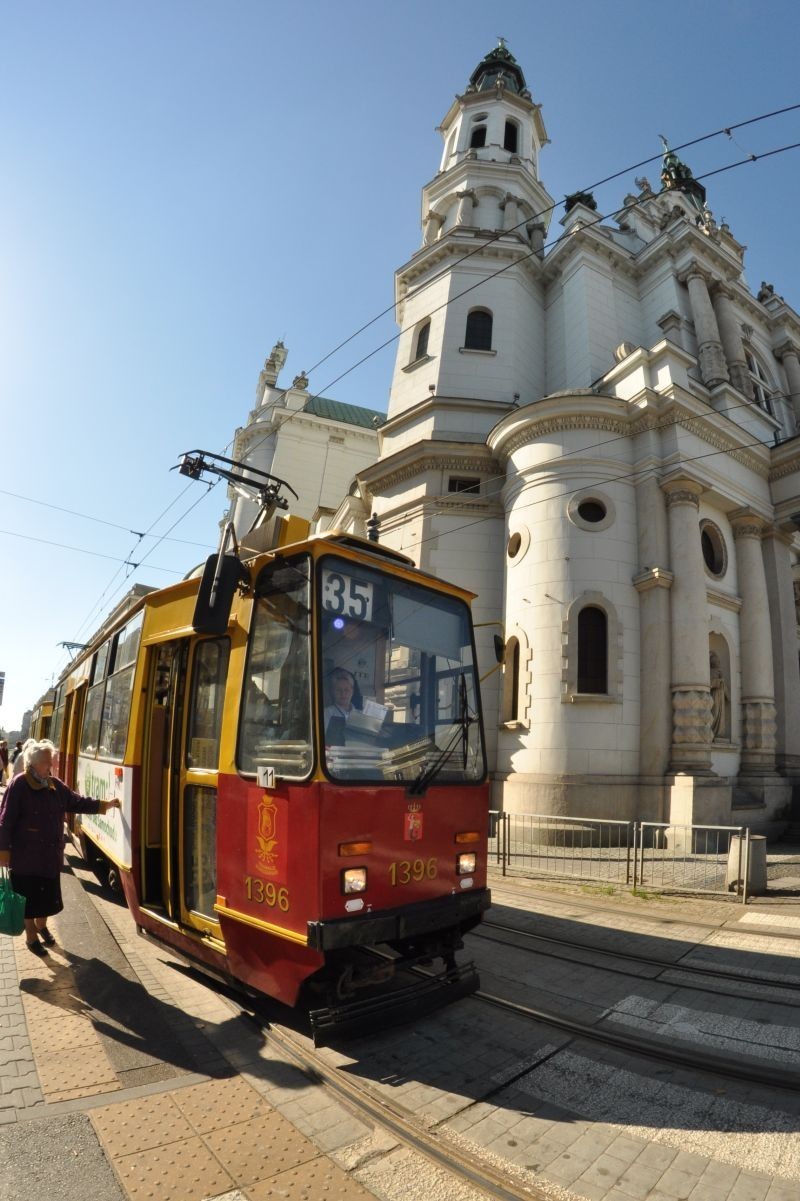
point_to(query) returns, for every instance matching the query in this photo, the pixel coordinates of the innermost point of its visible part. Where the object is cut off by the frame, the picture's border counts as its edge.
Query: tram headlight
(354, 879)
(465, 864)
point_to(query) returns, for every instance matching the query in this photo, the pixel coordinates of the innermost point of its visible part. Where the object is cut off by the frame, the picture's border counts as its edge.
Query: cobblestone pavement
(124, 1076)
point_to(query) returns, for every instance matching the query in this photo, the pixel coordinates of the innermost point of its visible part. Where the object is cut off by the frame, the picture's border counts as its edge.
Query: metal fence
(649, 855)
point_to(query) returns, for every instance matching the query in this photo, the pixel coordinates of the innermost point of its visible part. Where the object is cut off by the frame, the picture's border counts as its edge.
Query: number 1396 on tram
(298, 744)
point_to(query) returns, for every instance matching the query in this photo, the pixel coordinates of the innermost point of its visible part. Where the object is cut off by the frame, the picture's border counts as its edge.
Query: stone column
(433, 225)
(653, 583)
(732, 344)
(709, 347)
(510, 214)
(791, 362)
(691, 691)
(466, 202)
(778, 568)
(537, 232)
(755, 636)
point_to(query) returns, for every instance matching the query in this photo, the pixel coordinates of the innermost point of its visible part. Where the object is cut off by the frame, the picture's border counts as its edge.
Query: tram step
(395, 1007)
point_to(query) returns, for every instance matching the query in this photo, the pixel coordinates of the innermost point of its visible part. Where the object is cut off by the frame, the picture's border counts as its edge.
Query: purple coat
(32, 824)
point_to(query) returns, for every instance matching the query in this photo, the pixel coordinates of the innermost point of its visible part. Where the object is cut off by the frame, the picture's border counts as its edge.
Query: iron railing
(652, 855)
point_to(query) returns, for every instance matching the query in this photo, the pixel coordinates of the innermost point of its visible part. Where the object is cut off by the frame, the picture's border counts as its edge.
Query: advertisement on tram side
(110, 831)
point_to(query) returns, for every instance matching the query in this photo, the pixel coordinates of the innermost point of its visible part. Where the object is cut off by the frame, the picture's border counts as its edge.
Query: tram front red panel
(413, 853)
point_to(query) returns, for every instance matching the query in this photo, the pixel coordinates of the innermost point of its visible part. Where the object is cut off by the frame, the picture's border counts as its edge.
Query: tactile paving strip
(180, 1171)
(257, 1150)
(218, 1103)
(310, 1182)
(133, 1126)
(69, 1056)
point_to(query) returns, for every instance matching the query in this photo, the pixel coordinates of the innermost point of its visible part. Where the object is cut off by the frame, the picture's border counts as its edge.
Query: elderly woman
(32, 838)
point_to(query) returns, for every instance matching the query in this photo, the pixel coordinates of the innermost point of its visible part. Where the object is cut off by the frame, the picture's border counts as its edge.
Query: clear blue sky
(185, 182)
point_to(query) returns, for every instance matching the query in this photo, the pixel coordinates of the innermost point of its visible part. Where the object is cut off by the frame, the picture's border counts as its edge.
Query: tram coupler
(393, 1006)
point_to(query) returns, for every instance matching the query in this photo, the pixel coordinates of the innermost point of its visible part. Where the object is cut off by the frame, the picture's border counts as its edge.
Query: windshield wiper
(461, 733)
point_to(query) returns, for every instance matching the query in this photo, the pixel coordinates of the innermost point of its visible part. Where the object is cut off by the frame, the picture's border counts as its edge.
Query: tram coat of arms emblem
(412, 826)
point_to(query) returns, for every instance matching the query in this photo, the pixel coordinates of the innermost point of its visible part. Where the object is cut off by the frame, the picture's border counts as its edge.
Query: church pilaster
(731, 335)
(709, 346)
(758, 681)
(776, 546)
(691, 691)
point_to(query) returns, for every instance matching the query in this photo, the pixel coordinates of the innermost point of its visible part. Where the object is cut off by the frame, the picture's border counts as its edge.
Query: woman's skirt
(42, 894)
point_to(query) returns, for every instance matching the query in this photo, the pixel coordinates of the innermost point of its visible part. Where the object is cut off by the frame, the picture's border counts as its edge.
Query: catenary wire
(725, 130)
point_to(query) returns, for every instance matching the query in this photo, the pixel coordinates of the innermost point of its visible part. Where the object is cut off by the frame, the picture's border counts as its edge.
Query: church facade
(594, 424)
(595, 428)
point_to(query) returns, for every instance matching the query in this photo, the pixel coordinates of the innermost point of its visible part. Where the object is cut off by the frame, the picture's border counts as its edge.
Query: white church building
(593, 424)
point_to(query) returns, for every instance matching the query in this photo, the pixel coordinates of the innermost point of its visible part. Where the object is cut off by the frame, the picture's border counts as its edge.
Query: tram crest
(266, 836)
(412, 826)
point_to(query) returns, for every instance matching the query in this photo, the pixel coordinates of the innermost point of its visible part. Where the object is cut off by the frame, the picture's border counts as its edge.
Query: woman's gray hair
(33, 751)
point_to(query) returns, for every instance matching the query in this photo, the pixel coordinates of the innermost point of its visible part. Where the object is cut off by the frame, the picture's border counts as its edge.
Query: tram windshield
(275, 725)
(399, 689)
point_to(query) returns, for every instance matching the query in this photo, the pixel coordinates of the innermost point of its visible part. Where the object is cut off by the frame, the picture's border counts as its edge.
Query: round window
(591, 510)
(713, 547)
(514, 545)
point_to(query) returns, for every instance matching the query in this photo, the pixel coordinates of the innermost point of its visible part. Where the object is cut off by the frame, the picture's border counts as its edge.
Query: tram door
(182, 753)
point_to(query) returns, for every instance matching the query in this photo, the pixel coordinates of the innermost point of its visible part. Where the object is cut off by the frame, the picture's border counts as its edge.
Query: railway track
(698, 971)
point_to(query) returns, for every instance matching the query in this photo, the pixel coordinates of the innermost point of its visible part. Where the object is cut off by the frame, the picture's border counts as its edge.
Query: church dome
(499, 67)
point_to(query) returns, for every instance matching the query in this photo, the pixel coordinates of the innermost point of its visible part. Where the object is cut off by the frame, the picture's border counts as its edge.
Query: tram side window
(58, 715)
(93, 713)
(108, 706)
(275, 721)
(208, 694)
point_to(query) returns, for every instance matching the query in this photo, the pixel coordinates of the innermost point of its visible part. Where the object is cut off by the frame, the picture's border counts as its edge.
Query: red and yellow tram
(297, 742)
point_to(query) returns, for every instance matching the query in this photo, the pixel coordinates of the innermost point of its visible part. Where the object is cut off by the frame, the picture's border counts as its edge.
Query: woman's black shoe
(47, 937)
(36, 948)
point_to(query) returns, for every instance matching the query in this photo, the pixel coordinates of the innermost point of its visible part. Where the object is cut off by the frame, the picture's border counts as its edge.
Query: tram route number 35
(264, 892)
(405, 870)
(346, 596)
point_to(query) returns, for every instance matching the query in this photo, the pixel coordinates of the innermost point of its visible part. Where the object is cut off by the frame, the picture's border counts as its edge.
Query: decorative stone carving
(683, 496)
(758, 728)
(720, 700)
(691, 716)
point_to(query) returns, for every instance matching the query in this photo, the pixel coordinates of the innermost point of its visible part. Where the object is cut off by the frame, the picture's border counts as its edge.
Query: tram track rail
(694, 1057)
(431, 1142)
(659, 965)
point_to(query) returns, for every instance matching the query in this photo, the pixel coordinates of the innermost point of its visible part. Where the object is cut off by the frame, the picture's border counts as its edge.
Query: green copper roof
(335, 410)
(676, 175)
(499, 66)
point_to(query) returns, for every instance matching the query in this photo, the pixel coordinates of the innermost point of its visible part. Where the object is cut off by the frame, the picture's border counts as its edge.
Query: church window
(421, 348)
(478, 133)
(464, 483)
(591, 510)
(712, 545)
(511, 680)
(479, 330)
(592, 650)
(762, 391)
(514, 545)
(511, 137)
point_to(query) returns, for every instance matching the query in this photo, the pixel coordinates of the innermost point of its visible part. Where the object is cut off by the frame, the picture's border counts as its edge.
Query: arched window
(592, 650)
(477, 137)
(511, 137)
(421, 348)
(479, 330)
(762, 389)
(511, 681)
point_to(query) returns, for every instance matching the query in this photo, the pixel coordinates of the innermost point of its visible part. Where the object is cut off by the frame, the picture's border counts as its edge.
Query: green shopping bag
(12, 907)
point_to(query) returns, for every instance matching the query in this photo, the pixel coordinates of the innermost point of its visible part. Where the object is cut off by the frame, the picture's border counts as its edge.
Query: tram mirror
(499, 648)
(221, 576)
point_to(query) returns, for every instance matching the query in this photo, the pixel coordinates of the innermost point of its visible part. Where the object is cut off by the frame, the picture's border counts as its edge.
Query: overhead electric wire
(90, 517)
(551, 208)
(726, 130)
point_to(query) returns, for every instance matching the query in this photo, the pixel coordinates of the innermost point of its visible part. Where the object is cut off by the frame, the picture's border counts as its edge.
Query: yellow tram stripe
(247, 920)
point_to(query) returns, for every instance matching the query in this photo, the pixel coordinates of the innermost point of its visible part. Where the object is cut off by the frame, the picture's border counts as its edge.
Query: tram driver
(345, 699)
